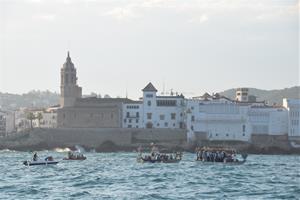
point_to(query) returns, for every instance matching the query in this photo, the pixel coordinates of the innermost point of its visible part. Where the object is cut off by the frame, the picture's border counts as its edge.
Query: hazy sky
(189, 46)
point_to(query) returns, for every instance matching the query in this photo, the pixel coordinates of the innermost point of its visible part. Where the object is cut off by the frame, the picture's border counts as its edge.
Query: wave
(62, 150)
(6, 150)
(79, 149)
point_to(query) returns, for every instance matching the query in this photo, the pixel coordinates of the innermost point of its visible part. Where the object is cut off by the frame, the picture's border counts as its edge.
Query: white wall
(133, 120)
(293, 107)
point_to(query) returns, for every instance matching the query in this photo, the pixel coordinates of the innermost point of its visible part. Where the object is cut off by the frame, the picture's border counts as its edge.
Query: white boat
(47, 161)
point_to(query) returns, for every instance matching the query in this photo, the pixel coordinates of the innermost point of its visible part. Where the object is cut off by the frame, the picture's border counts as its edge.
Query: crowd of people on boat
(216, 155)
(78, 156)
(161, 157)
(156, 156)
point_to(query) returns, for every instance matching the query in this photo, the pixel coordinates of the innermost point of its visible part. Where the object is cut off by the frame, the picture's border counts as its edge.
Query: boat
(75, 156)
(160, 158)
(47, 161)
(220, 155)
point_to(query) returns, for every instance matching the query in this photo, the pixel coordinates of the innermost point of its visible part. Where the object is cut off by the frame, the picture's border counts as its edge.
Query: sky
(118, 46)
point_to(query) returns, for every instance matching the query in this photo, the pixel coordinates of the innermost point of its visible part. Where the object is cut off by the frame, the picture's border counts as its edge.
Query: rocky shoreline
(116, 140)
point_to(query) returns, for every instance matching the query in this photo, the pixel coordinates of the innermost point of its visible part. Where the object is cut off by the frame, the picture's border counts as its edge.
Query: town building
(91, 112)
(6, 122)
(155, 111)
(293, 107)
(215, 117)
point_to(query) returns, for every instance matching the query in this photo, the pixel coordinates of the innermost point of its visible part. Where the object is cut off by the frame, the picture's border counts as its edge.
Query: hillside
(271, 96)
(30, 99)
(47, 98)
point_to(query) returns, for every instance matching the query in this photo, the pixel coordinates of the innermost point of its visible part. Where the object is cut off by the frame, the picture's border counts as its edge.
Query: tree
(39, 117)
(31, 117)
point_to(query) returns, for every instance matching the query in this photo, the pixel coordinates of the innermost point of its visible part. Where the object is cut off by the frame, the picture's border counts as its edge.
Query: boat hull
(33, 163)
(226, 163)
(74, 158)
(141, 160)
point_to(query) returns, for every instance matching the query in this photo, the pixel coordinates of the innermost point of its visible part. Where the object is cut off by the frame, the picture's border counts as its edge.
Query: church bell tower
(69, 90)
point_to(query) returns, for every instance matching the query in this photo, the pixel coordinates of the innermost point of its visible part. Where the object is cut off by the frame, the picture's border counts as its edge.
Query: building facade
(91, 112)
(217, 118)
(7, 122)
(293, 107)
(155, 111)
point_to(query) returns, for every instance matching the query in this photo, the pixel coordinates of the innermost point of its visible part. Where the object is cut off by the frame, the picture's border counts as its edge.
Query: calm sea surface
(119, 176)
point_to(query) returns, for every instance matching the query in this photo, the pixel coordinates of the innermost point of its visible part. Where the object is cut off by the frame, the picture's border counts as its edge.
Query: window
(149, 95)
(125, 120)
(174, 124)
(173, 116)
(192, 128)
(166, 124)
(149, 115)
(227, 135)
(127, 114)
(149, 103)
(217, 134)
(129, 120)
(137, 126)
(166, 102)
(149, 125)
(157, 124)
(162, 117)
(137, 121)
(244, 128)
(129, 126)
(137, 114)
(193, 118)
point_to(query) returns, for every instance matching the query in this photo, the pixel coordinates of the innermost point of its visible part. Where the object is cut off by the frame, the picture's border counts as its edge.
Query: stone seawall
(101, 139)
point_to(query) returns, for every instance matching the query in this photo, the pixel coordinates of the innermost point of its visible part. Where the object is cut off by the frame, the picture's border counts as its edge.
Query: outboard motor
(244, 156)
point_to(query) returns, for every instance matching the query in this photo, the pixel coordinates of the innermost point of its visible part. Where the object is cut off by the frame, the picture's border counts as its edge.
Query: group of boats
(205, 155)
(50, 161)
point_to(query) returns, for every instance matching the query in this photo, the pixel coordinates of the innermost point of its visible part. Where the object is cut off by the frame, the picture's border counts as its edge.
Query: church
(92, 112)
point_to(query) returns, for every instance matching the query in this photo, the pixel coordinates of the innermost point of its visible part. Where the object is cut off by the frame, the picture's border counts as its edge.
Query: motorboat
(47, 161)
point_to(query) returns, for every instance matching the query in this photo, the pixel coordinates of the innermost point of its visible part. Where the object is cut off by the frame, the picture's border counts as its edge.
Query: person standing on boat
(35, 157)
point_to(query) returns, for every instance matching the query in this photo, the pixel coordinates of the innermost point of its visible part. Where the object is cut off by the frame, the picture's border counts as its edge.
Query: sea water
(119, 176)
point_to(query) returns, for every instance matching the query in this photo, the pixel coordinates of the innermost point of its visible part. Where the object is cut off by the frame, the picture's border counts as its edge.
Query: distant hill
(46, 98)
(271, 96)
(31, 99)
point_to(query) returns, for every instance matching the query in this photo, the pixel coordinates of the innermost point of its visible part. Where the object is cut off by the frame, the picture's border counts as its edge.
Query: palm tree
(39, 117)
(31, 117)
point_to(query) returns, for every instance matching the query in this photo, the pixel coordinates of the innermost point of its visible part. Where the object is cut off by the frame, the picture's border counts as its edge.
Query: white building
(48, 119)
(133, 115)
(2, 123)
(162, 111)
(293, 107)
(154, 111)
(217, 118)
(6, 122)
(268, 120)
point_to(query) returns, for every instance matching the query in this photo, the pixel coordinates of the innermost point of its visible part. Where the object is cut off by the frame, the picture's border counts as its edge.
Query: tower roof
(149, 88)
(68, 63)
